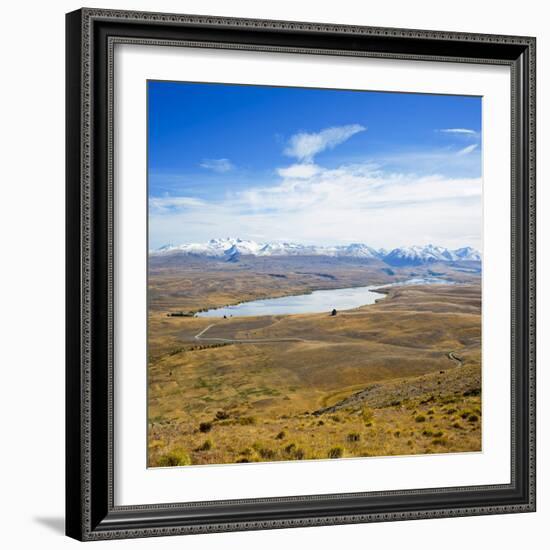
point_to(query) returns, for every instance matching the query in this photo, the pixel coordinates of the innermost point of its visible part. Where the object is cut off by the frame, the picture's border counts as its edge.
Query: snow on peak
(416, 255)
(231, 248)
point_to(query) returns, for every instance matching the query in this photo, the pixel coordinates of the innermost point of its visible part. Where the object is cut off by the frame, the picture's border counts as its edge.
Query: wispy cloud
(467, 150)
(299, 171)
(217, 165)
(460, 131)
(304, 146)
(159, 205)
(351, 187)
(354, 202)
(464, 133)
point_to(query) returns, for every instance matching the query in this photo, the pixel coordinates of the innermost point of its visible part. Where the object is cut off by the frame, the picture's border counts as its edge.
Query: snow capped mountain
(286, 249)
(214, 247)
(418, 255)
(468, 253)
(355, 250)
(358, 250)
(231, 249)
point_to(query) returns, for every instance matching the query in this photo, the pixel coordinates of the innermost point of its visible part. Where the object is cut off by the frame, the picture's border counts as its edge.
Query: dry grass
(355, 386)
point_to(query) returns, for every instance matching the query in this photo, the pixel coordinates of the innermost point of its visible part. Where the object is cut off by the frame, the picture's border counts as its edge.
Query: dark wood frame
(90, 510)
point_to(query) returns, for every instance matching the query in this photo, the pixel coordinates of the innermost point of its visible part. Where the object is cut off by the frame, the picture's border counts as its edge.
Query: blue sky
(311, 165)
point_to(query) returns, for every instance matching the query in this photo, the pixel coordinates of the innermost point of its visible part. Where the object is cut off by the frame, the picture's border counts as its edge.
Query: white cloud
(217, 165)
(464, 131)
(299, 171)
(467, 150)
(352, 203)
(353, 187)
(304, 146)
(168, 203)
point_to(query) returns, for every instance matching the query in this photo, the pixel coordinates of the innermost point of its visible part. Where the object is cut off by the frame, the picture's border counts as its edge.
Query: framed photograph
(300, 274)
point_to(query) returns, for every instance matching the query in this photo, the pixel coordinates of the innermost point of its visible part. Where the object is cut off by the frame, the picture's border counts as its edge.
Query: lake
(318, 301)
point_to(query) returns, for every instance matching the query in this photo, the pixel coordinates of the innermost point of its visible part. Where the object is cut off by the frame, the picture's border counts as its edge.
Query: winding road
(200, 336)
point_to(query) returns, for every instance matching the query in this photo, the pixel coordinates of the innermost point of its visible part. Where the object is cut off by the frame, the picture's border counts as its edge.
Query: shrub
(298, 454)
(438, 441)
(205, 427)
(336, 418)
(473, 418)
(266, 453)
(420, 418)
(336, 452)
(427, 433)
(397, 433)
(354, 436)
(222, 415)
(447, 399)
(458, 426)
(431, 411)
(320, 423)
(247, 420)
(206, 446)
(290, 448)
(280, 435)
(176, 457)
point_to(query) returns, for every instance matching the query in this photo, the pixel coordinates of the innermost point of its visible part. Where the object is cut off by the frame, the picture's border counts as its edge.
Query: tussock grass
(176, 457)
(336, 452)
(206, 446)
(379, 367)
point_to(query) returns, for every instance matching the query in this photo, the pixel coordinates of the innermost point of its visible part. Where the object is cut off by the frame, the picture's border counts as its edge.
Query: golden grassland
(401, 376)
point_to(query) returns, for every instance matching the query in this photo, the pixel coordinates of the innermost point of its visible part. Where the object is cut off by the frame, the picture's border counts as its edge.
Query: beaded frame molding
(91, 37)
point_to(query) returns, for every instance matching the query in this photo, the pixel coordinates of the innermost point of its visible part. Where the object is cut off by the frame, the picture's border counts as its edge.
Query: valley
(399, 376)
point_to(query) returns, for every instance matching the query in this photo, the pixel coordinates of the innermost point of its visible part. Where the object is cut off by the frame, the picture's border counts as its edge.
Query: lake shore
(314, 301)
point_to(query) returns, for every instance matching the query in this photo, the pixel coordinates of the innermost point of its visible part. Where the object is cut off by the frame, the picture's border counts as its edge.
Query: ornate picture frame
(91, 511)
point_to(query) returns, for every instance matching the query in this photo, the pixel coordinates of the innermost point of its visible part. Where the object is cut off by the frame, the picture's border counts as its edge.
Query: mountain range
(230, 249)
